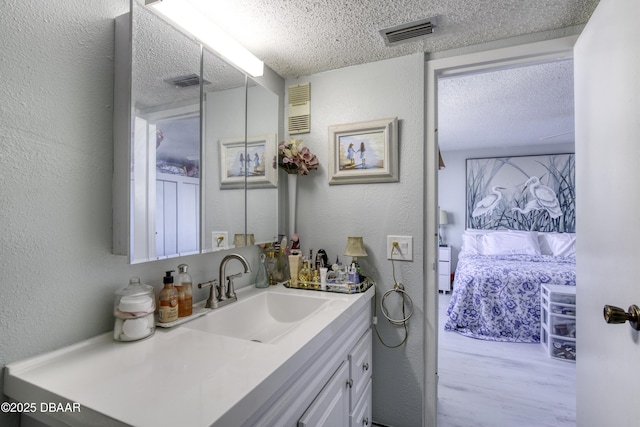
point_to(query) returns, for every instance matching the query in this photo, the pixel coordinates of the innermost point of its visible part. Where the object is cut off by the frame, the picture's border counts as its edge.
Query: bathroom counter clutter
(227, 367)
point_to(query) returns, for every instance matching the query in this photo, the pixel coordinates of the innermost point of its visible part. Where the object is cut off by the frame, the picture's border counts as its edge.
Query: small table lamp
(443, 221)
(355, 248)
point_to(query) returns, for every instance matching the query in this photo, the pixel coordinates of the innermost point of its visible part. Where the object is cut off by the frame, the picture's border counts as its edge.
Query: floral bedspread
(497, 298)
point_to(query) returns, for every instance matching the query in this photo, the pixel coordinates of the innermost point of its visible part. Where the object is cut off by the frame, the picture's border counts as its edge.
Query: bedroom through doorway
(502, 110)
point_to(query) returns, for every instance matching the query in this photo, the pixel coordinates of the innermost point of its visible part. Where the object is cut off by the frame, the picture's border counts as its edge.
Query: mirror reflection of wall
(224, 117)
(159, 141)
(147, 102)
(177, 164)
(262, 201)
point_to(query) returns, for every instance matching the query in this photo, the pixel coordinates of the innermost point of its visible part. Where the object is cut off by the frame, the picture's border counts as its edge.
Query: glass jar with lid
(133, 309)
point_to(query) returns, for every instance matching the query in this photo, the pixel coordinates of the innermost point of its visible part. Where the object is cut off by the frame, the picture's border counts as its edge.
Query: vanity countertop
(178, 376)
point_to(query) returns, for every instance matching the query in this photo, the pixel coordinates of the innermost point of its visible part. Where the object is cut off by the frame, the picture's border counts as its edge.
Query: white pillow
(558, 244)
(472, 243)
(511, 244)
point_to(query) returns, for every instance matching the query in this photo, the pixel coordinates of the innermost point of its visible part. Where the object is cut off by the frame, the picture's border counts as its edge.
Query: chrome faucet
(227, 290)
(221, 291)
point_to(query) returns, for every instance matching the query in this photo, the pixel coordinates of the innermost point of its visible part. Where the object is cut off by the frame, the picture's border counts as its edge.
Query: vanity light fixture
(190, 19)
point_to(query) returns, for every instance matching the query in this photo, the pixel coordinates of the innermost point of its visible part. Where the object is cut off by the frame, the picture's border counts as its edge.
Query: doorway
(516, 56)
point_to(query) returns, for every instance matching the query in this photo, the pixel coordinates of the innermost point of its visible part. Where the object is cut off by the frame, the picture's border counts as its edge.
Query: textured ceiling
(530, 105)
(303, 37)
(162, 53)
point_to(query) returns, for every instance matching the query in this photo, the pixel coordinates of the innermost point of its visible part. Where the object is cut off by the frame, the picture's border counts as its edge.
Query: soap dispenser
(185, 291)
(168, 310)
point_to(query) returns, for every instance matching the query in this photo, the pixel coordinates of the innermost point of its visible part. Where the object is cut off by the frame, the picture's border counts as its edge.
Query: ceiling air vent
(186, 81)
(407, 32)
(300, 108)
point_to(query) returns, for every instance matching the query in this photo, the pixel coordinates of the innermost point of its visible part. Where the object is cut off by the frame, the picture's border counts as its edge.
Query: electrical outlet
(400, 248)
(219, 240)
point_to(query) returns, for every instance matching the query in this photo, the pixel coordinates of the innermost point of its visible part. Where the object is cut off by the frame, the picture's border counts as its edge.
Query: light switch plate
(404, 250)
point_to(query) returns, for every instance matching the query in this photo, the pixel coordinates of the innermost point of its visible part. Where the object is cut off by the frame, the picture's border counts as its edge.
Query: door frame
(502, 58)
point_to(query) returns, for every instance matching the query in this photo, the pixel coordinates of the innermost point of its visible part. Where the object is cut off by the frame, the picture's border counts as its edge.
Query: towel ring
(397, 287)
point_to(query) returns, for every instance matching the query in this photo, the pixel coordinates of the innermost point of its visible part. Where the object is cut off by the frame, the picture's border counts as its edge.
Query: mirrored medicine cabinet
(194, 142)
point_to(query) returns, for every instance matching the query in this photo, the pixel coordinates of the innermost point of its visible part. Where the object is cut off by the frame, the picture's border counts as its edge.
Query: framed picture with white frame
(255, 161)
(364, 152)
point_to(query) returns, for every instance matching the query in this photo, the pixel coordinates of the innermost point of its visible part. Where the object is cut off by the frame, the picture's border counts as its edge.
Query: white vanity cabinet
(361, 414)
(360, 366)
(316, 373)
(331, 407)
(346, 399)
(333, 388)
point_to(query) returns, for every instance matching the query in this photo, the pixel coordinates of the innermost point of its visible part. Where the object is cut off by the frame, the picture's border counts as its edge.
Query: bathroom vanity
(278, 356)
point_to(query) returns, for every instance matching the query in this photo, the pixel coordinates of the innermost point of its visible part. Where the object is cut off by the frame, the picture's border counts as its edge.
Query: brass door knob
(617, 315)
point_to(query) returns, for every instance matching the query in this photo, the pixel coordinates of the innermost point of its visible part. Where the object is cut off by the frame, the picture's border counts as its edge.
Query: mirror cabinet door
(262, 146)
(156, 139)
(224, 106)
(167, 202)
(165, 144)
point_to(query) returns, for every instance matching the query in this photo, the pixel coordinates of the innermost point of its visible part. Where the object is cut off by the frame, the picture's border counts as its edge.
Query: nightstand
(444, 269)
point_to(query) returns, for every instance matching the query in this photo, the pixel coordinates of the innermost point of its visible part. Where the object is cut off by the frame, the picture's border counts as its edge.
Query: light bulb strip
(186, 16)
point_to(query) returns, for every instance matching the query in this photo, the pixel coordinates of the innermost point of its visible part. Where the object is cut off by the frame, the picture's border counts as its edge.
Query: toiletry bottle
(323, 278)
(262, 278)
(168, 307)
(185, 291)
(304, 275)
(294, 267)
(353, 274)
(321, 259)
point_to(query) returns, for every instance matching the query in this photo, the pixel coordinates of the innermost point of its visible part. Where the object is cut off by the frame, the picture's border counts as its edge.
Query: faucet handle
(211, 284)
(231, 293)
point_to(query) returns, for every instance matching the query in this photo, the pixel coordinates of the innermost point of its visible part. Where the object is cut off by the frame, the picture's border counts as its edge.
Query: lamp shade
(443, 218)
(355, 247)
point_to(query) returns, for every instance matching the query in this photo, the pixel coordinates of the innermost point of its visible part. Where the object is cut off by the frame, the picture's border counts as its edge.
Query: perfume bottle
(304, 275)
(262, 278)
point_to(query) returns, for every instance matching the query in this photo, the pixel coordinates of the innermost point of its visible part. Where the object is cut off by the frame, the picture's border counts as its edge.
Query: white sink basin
(263, 317)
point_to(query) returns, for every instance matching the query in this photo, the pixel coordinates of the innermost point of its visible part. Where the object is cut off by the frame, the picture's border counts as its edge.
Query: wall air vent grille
(300, 108)
(408, 32)
(187, 81)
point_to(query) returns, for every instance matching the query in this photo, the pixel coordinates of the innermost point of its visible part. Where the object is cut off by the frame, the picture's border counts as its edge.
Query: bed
(496, 290)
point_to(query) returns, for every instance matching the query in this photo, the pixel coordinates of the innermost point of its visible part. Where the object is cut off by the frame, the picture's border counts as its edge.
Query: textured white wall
(56, 164)
(56, 161)
(326, 215)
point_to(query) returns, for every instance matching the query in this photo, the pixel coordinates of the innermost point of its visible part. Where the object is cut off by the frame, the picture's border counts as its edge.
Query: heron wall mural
(533, 193)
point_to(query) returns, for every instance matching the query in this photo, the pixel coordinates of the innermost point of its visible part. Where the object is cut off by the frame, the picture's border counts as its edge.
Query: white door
(607, 99)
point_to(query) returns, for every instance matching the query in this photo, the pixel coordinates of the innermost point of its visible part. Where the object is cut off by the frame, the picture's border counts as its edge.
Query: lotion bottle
(185, 291)
(168, 307)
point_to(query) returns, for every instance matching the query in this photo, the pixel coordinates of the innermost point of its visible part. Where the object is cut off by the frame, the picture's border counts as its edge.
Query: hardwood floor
(493, 384)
